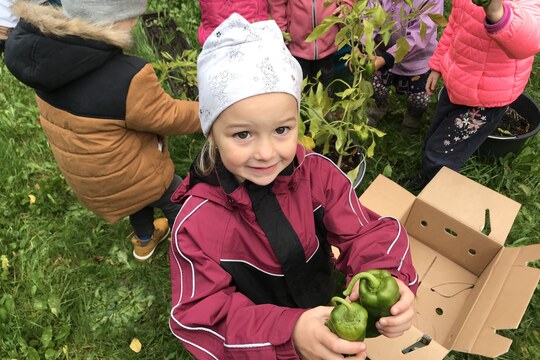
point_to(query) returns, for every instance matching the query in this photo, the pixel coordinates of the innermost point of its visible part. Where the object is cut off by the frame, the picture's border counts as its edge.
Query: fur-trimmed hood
(47, 50)
(50, 20)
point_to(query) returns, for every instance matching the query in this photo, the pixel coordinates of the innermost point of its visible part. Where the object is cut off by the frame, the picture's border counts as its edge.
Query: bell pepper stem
(374, 283)
(336, 299)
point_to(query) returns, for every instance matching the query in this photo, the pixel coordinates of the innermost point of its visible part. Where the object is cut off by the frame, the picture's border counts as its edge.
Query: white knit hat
(240, 60)
(96, 11)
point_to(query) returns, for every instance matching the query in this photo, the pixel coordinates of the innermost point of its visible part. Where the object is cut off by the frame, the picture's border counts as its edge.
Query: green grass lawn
(70, 289)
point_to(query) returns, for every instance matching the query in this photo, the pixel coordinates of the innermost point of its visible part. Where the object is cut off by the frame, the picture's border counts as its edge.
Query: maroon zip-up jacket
(237, 291)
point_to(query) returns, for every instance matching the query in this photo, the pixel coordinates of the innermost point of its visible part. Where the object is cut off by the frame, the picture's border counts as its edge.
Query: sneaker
(161, 232)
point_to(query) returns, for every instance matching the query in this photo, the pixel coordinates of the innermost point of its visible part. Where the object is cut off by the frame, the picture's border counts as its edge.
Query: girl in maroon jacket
(251, 269)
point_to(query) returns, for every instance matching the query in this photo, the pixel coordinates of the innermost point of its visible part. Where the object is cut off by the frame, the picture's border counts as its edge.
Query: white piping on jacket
(351, 189)
(193, 294)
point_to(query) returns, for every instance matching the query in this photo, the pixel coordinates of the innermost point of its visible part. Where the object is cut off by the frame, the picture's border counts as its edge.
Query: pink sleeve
(209, 317)
(520, 38)
(278, 12)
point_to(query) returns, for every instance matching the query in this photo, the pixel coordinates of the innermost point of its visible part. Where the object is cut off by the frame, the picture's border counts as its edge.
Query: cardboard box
(470, 284)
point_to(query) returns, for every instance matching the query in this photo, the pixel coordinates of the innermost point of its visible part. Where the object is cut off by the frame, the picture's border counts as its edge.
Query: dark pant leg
(417, 97)
(326, 66)
(169, 208)
(456, 132)
(310, 68)
(143, 220)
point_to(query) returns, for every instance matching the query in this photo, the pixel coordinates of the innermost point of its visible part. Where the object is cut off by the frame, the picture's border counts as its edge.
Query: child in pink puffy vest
(485, 57)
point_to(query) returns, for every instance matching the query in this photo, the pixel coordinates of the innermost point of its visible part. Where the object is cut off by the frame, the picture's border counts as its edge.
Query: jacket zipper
(314, 24)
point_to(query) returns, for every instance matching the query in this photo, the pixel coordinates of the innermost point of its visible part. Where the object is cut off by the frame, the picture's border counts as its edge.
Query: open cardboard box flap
(471, 285)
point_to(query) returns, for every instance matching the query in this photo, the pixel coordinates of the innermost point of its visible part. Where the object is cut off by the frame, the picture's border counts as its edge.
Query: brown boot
(143, 251)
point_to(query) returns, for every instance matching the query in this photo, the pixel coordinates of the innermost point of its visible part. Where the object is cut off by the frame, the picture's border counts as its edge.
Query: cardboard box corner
(468, 278)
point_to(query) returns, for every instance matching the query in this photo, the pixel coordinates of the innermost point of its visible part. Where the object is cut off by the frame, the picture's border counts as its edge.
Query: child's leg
(142, 223)
(381, 83)
(310, 69)
(164, 203)
(307, 68)
(149, 232)
(417, 101)
(456, 132)
(326, 67)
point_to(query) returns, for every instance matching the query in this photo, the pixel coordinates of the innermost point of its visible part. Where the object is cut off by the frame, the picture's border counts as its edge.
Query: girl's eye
(282, 130)
(241, 135)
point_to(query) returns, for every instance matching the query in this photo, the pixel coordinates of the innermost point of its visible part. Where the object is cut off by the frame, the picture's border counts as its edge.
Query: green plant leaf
(526, 190)
(31, 354)
(423, 30)
(379, 16)
(369, 45)
(322, 28)
(371, 150)
(347, 92)
(353, 174)
(402, 49)
(438, 19)
(46, 336)
(387, 171)
(377, 132)
(51, 354)
(301, 127)
(39, 304)
(54, 304)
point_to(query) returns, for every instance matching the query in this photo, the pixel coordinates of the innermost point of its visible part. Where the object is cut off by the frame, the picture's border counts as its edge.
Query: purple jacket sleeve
(444, 43)
(209, 317)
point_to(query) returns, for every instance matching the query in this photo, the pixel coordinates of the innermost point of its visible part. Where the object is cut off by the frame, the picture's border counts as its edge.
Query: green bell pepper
(378, 292)
(483, 3)
(348, 320)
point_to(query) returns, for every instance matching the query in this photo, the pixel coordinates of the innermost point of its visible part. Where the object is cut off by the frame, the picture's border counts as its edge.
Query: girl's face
(257, 137)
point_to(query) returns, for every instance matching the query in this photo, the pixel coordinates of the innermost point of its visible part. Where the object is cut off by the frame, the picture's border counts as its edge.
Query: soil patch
(165, 37)
(512, 124)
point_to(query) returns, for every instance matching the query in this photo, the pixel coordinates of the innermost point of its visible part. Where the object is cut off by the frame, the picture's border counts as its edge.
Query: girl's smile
(257, 136)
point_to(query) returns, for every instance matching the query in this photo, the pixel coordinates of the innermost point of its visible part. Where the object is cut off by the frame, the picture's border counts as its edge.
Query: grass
(69, 287)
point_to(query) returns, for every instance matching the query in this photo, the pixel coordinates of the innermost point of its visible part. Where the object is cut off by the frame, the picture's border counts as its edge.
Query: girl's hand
(379, 62)
(402, 314)
(494, 11)
(314, 341)
(432, 80)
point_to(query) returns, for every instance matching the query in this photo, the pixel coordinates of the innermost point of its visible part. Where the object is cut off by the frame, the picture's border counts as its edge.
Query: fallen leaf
(32, 199)
(135, 345)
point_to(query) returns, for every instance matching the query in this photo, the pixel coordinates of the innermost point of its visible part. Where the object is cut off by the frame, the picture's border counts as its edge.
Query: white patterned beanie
(97, 11)
(240, 60)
